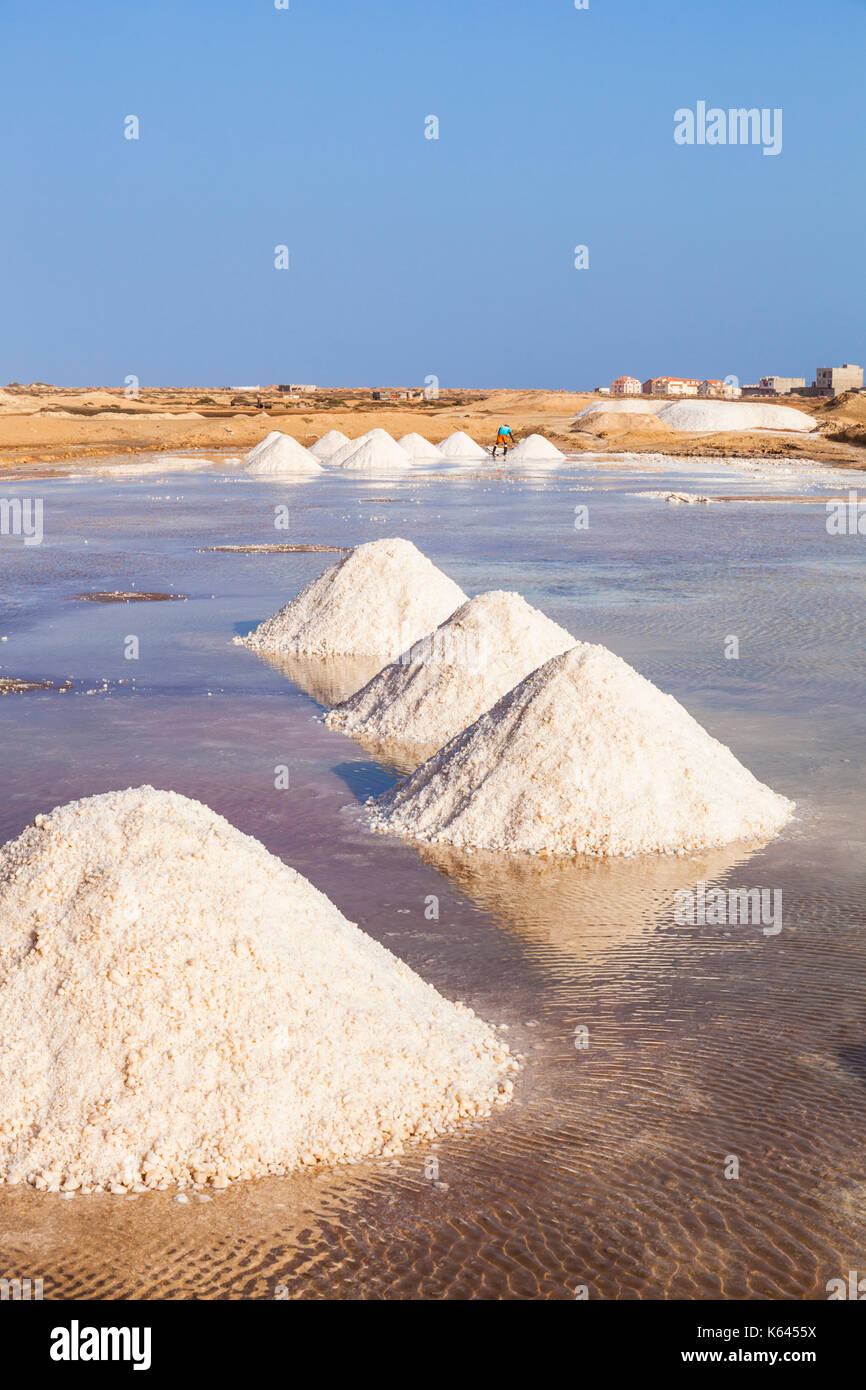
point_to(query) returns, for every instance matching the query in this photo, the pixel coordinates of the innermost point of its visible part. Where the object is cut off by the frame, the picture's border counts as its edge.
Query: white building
(672, 386)
(625, 386)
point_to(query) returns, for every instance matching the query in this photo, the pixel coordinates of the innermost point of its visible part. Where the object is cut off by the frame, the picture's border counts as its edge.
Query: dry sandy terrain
(40, 423)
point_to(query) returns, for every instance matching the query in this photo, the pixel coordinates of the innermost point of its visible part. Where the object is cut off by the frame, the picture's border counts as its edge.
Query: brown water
(608, 1169)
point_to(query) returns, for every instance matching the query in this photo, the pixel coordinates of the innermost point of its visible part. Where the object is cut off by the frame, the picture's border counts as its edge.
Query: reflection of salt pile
(455, 673)
(585, 756)
(279, 453)
(376, 602)
(180, 1006)
(329, 443)
(377, 452)
(580, 904)
(535, 446)
(461, 446)
(417, 447)
(326, 679)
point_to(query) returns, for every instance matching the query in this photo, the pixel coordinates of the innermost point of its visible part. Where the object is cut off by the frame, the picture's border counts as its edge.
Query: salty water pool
(655, 1052)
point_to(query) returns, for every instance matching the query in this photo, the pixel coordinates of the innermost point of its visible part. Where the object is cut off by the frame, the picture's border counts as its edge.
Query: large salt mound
(376, 453)
(417, 447)
(461, 446)
(329, 443)
(455, 673)
(535, 446)
(177, 1005)
(377, 601)
(585, 756)
(708, 416)
(279, 453)
(644, 405)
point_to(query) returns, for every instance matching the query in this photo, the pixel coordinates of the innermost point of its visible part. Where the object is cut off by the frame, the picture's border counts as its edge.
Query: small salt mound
(381, 598)
(329, 443)
(279, 453)
(461, 446)
(707, 417)
(585, 756)
(455, 673)
(378, 453)
(535, 446)
(178, 1006)
(417, 447)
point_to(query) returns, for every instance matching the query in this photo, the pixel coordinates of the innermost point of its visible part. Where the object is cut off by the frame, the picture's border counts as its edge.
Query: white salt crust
(279, 453)
(178, 1006)
(377, 601)
(461, 446)
(452, 675)
(585, 756)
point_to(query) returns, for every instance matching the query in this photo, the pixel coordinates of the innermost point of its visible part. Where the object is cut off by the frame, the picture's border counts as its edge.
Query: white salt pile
(585, 756)
(455, 673)
(345, 451)
(377, 453)
(377, 601)
(279, 453)
(179, 1006)
(329, 443)
(461, 446)
(708, 416)
(644, 405)
(417, 447)
(535, 446)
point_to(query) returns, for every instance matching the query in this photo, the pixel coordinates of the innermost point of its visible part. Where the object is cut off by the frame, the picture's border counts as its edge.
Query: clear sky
(411, 257)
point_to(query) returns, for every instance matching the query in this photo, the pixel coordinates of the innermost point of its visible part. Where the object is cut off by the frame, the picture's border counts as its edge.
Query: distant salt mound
(644, 405)
(377, 454)
(279, 453)
(378, 601)
(535, 446)
(585, 756)
(453, 674)
(708, 416)
(461, 446)
(417, 447)
(179, 1006)
(327, 446)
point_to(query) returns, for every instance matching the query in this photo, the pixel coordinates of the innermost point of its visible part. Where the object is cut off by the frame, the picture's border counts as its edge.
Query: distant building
(836, 379)
(298, 390)
(625, 386)
(725, 390)
(602, 390)
(671, 386)
(781, 385)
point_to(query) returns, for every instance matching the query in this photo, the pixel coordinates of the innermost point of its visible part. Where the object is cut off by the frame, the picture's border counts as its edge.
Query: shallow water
(608, 1169)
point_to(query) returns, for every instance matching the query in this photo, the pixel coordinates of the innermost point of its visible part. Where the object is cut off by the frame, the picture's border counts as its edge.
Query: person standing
(504, 438)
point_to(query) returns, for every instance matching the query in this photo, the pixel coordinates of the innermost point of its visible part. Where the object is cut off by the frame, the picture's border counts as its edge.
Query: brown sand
(40, 423)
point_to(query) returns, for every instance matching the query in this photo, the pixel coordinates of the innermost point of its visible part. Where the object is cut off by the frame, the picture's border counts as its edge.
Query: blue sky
(412, 257)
